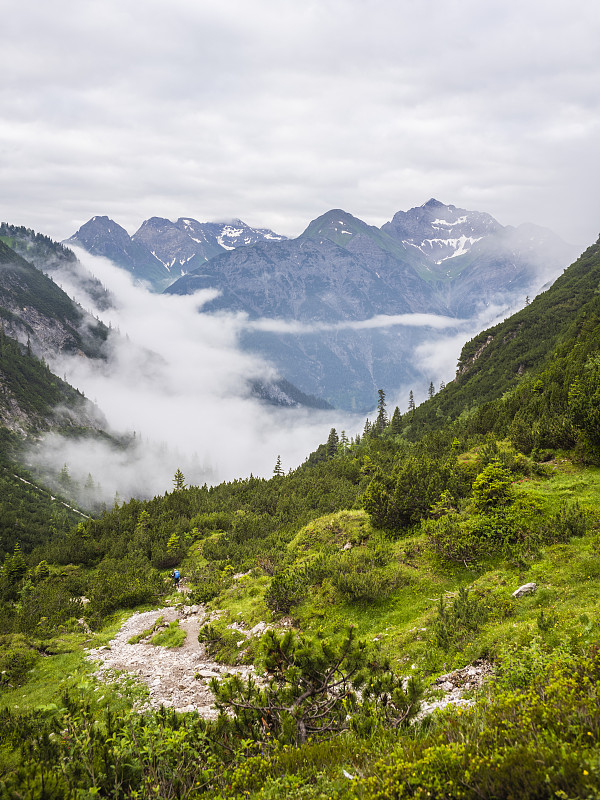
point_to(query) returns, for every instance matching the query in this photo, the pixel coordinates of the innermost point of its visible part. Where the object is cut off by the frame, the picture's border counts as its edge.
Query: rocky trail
(176, 677)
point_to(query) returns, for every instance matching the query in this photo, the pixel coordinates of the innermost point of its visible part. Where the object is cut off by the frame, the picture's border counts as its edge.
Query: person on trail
(176, 578)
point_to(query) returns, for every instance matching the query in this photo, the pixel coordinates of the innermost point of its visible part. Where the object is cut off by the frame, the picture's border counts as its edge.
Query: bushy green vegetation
(380, 564)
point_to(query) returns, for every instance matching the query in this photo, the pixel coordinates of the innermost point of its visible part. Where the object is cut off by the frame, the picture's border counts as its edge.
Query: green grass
(147, 632)
(173, 636)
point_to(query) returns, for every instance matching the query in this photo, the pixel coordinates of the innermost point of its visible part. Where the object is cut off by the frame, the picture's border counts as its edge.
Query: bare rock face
(176, 677)
(527, 588)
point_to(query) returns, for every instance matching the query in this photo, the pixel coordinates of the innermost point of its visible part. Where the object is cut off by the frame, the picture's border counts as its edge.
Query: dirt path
(176, 677)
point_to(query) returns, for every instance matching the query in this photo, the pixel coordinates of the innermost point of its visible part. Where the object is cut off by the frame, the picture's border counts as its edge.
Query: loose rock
(169, 673)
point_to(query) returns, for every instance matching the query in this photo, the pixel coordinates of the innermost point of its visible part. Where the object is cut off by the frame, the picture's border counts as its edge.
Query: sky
(275, 111)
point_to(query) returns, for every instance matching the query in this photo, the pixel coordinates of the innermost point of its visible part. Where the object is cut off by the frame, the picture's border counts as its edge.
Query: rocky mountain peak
(102, 236)
(441, 231)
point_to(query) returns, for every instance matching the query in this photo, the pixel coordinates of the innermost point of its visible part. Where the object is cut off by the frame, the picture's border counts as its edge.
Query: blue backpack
(176, 574)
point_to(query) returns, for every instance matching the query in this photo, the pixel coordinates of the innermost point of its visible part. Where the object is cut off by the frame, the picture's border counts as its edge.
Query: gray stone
(527, 588)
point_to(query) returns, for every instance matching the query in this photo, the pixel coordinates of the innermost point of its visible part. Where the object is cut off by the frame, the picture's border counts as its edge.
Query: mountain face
(38, 319)
(103, 237)
(33, 308)
(436, 259)
(162, 251)
(439, 232)
(55, 260)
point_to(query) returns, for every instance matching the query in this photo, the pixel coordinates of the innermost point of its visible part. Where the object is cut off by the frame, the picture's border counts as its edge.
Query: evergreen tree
(173, 544)
(381, 421)
(396, 422)
(344, 443)
(332, 443)
(64, 478)
(178, 481)
(411, 401)
(431, 390)
(278, 471)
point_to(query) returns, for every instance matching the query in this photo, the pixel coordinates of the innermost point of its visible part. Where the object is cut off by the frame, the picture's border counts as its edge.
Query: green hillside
(33, 304)
(51, 257)
(361, 586)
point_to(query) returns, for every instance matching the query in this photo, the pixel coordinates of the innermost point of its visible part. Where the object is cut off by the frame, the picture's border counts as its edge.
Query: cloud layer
(178, 380)
(177, 384)
(275, 111)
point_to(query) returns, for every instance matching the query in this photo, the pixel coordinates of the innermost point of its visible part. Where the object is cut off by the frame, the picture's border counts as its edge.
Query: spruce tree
(381, 421)
(396, 422)
(411, 401)
(332, 443)
(179, 480)
(278, 471)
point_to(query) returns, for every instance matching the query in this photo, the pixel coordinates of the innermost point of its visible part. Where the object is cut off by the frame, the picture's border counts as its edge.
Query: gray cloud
(275, 111)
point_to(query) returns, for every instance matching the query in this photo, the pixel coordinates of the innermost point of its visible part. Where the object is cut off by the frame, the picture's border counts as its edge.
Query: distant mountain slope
(33, 307)
(553, 335)
(309, 279)
(33, 399)
(101, 236)
(435, 258)
(161, 251)
(175, 244)
(54, 259)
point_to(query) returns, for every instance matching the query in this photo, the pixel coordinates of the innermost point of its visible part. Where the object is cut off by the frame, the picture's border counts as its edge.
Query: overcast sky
(277, 110)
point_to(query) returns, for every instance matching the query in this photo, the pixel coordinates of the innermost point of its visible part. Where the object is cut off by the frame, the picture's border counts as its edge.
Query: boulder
(527, 588)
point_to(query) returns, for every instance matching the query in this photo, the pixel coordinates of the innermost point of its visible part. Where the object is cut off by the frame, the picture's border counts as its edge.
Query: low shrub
(287, 588)
(122, 584)
(455, 624)
(225, 645)
(17, 657)
(571, 520)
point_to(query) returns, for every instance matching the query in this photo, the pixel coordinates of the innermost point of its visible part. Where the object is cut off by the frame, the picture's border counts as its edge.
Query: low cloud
(433, 321)
(175, 390)
(176, 384)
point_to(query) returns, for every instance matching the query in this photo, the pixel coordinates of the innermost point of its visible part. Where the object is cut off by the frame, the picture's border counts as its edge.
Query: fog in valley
(175, 388)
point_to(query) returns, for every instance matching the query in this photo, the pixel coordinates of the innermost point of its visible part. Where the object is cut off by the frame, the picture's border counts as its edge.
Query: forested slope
(385, 567)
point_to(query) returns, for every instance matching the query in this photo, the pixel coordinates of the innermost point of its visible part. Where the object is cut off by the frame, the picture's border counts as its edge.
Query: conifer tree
(344, 443)
(278, 471)
(411, 401)
(332, 443)
(431, 390)
(396, 422)
(178, 481)
(381, 421)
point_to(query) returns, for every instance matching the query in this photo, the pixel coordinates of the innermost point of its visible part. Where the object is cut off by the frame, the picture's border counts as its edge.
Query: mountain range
(435, 259)
(161, 251)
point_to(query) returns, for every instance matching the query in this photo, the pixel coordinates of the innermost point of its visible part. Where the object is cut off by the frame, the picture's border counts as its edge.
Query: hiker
(175, 576)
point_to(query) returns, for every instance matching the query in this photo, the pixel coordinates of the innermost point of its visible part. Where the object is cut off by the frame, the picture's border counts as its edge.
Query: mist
(175, 390)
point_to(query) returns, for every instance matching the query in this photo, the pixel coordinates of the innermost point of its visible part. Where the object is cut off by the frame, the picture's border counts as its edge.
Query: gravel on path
(176, 677)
